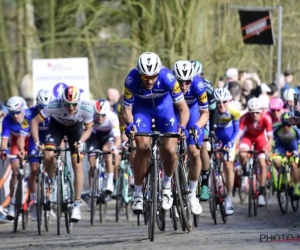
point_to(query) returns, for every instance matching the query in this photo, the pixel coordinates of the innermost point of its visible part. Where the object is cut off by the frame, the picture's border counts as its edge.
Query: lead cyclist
(209, 129)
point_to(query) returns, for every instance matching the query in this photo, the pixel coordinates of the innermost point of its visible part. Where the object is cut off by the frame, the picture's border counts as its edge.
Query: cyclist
(194, 91)
(256, 128)
(209, 128)
(276, 110)
(150, 91)
(227, 132)
(287, 138)
(43, 98)
(71, 116)
(14, 125)
(106, 136)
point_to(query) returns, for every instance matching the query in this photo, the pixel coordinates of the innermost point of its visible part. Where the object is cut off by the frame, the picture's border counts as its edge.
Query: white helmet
(101, 107)
(15, 103)
(197, 67)
(265, 101)
(43, 97)
(288, 94)
(183, 70)
(148, 64)
(222, 94)
(254, 104)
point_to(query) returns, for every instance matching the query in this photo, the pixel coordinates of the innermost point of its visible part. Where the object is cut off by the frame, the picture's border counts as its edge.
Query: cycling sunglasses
(286, 124)
(182, 82)
(100, 115)
(147, 78)
(71, 104)
(256, 113)
(224, 102)
(275, 110)
(15, 112)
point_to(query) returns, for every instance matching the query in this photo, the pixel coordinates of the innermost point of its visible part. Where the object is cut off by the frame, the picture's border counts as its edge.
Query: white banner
(56, 74)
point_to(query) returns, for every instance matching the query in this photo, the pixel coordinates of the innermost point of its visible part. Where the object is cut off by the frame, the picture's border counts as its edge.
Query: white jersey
(111, 125)
(56, 110)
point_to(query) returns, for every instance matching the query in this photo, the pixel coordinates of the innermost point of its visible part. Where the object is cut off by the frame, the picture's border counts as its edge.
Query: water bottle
(100, 181)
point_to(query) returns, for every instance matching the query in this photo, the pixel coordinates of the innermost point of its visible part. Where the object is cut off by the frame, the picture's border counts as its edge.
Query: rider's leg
(204, 170)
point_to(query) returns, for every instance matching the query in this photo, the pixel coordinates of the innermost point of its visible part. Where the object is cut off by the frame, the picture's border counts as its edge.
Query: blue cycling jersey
(197, 94)
(43, 126)
(156, 103)
(165, 90)
(9, 126)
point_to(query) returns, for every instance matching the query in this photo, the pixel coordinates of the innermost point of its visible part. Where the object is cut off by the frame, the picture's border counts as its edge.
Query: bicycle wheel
(222, 204)
(18, 201)
(242, 190)
(295, 204)
(269, 187)
(153, 203)
(94, 194)
(119, 196)
(255, 194)
(47, 205)
(25, 206)
(102, 211)
(40, 202)
(160, 218)
(58, 200)
(69, 192)
(183, 197)
(212, 196)
(173, 217)
(250, 192)
(282, 192)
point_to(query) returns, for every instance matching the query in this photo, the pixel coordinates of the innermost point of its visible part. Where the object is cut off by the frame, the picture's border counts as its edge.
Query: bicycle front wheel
(58, 200)
(153, 206)
(94, 194)
(40, 202)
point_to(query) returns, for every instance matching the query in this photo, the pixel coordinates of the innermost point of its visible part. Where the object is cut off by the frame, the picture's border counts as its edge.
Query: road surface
(240, 232)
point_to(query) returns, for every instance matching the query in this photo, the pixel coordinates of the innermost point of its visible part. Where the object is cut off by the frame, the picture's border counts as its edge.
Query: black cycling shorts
(97, 141)
(57, 131)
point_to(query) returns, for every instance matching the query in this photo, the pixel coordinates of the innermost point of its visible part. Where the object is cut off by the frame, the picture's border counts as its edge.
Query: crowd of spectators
(245, 85)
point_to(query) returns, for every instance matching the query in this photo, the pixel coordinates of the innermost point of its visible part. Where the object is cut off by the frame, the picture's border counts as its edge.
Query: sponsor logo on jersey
(127, 93)
(176, 88)
(200, 86)
(25, 124)
(203, 97)
(170, 77)
(129, 80)
(69, 121)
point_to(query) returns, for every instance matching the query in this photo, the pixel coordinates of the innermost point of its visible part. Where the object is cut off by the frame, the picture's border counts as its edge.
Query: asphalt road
(240, 232)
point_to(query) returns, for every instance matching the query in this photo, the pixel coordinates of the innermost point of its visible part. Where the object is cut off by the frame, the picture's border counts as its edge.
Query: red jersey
(255, 129)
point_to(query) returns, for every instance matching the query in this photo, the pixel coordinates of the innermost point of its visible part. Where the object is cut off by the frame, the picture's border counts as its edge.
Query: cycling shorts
(57, 131)
(259, 141)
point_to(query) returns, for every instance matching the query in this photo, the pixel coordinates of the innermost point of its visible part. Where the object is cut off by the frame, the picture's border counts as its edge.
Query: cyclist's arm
(184, 113)
(202, 104)
(116, 131)
(4, 143)
(88, 126)
(34, 126)
(5, 133)
(21, 142)
(128, 103)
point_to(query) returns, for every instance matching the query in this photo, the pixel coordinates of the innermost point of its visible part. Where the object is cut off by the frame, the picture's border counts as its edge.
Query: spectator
(113, 97)
(265, 89)
(273, 90)
(236, 93)
(232, 75)
(243, 75)
(221, 82)
(249, 91)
